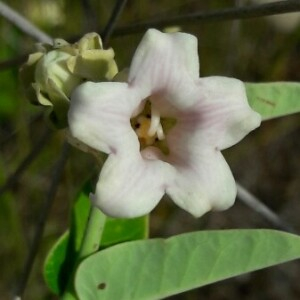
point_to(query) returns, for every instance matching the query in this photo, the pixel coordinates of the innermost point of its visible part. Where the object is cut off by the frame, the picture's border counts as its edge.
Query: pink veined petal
(220, 118)
(225, 116)
(99, 116)
(165, 63)
(131, 186)
(203, 183)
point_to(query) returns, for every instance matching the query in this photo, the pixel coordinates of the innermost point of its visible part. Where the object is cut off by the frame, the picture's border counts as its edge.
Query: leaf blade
(155, 269)
(62, 256)
(274, 99)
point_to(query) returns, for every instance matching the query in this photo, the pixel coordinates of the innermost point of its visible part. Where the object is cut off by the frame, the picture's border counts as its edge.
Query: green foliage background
(267, 162)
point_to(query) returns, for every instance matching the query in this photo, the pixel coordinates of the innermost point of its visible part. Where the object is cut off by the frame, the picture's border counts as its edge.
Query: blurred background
(267, 162)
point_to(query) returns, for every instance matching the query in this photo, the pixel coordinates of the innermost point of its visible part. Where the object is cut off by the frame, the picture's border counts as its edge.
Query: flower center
(151, 128)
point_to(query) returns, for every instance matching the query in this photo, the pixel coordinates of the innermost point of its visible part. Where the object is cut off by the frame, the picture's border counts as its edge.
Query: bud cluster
(51, 74)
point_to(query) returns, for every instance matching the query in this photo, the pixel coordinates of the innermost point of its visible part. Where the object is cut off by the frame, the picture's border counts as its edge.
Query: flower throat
(151, 129)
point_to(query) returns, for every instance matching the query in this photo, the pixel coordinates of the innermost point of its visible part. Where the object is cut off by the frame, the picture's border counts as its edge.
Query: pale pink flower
(132, 123)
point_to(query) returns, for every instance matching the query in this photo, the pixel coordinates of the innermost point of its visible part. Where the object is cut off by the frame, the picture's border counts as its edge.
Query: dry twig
(50, 196)
(23, 24)
(254, 203)
(236, 13)
(32, 155)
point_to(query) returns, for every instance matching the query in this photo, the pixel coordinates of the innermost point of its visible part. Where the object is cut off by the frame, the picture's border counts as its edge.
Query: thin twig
(10, 135)
(90, 19)
(40, 226)
(245, 12)
(233, 40)
(255, 204)
(253, 11)
(14, 62)
(23, 24)
(106, 34)
(110, 27)
(37, 148)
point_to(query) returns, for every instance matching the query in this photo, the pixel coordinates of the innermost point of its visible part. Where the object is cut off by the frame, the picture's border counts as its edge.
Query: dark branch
(14, 62)
(90, 19)
(40, 226)
(246, 12)
(37, 148)
(251, 11)
(110, 26)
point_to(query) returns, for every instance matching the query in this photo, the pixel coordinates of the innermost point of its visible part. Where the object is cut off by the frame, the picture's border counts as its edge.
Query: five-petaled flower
(163, 130)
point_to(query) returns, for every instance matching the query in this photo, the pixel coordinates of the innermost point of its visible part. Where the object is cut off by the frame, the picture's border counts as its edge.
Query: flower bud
(51, 74)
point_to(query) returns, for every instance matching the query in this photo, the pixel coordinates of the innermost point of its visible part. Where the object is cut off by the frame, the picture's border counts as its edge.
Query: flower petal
(165, 62)
(96, 65)
(100, 114)
(131, 186)
(203, 182)
(225, 115)
(220, 118)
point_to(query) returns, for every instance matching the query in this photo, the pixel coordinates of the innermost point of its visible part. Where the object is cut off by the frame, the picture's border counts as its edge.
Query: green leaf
(121, 230)
(61, 258)
(154, 269)
(115, 230)
(54, 262)
(273, 100)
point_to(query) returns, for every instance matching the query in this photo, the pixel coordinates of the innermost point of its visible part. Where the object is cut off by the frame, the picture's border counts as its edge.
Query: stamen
(160, 132)
(149, 128)
(155, 121)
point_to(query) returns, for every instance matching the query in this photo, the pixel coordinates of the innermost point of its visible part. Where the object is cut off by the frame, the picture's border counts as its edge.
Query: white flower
(163, 130)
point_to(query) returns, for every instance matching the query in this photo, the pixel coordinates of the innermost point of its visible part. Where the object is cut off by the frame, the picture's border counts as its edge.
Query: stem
(93, 233)
(23, 24)
(235, 13)
(257, 205)
(90, 244)
(110, 26)
(36, 150)
(40, 226)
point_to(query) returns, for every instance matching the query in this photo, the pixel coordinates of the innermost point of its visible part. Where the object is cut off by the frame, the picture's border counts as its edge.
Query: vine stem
(93, 233)
(90, 244)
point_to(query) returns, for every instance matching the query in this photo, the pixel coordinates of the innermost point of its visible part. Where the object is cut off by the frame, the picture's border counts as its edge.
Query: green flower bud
(51, 74)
